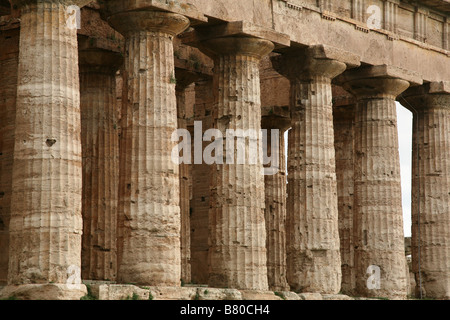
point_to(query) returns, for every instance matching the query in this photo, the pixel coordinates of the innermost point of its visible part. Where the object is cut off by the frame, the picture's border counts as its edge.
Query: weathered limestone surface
(9, 60)
(378, 220)
(100, 149)
(184, 92)
(46, 222)
(275, 203)
(149, 203)
(204, 100)
(237, 253)
(313, 257)
(431, 175)
(343, 118)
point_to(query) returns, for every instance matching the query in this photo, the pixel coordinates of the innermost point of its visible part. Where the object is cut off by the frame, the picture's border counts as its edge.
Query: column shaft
(46, 222)
(204, 100)
(313, 256)
(343, 141)
(378, 217)
(100, 149)
(431, 175)
(182, 90)
(275, 214)
(237, 253)
(149, 200)
(9, 61)
(380, 266)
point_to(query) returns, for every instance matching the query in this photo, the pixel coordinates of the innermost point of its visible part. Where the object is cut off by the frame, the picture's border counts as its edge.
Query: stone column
(431, 177)
(9, 61)
(378, 221)
(343, 119)
(184, 79)
(275, 211)
(149, 197)
(46, 222)
(237, 254)
(312, 238)
(100, 149)
(201, 173)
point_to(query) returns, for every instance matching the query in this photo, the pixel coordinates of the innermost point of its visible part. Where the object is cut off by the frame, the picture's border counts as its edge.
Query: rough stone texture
(122, 292)
(335, 297)
(219, 294)
(378, 224)
(237, 253)
(259, 295)
(276, 198)
(312, 242)
(184, 92)
(412, 37)
(9, 60)
(46, 221)
(48, 291)
(343, 118)
(310, 296)
(149, 212)
(431, 175)
(100, 149)
(204, 100)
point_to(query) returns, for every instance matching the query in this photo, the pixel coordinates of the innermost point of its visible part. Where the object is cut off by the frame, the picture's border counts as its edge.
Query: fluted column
(431, 177)
(184, 79)
(100, 149)
(343, 118)
(149, 197)
(46, 222)
(9, 61)
(275, 211)
(378, 221)
(237, 254)
(199, 218)
(312, 239)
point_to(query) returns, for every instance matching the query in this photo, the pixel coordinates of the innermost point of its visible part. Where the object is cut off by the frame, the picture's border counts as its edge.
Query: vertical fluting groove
(343, 133)
(9, 60)
(378, 209)
(238, 238)
(313, 256)
(46, 223)
(100, 148)
(185, 182)
(433, 140)
(201, 189)
(149, 212)
(275, 217)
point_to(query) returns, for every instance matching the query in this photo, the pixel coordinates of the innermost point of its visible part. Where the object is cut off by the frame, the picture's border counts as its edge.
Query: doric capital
(100, 60)
(377, 81)
(275, 118)
(151, 21)
(314, 61)
(434, 95)
(185, 78)
(246, 46)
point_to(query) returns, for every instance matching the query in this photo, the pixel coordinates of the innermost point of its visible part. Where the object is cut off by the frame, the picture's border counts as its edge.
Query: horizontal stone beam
(188, 10)
(236, 28)
(381, 71)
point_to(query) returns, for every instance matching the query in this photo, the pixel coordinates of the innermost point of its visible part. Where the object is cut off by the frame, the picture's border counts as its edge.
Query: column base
(47, 291)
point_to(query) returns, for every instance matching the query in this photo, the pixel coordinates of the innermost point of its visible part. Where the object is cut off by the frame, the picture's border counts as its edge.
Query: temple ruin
(91, 93)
